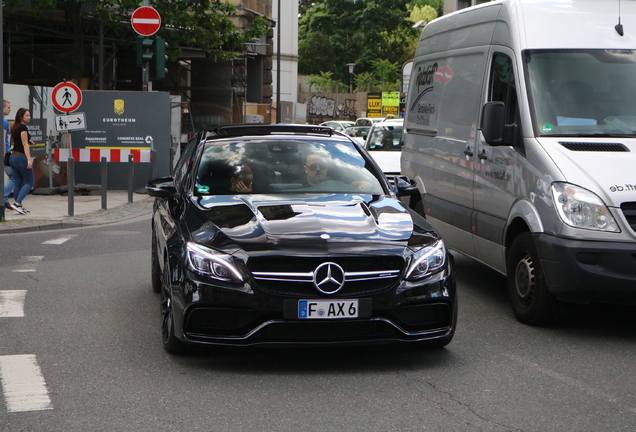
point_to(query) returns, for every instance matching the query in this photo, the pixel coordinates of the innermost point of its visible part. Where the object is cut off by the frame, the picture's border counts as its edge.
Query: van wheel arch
(530, 298)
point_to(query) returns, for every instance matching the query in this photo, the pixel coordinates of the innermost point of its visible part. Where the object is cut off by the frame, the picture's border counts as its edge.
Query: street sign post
(71, 122)
(66, 97)
(145, 21)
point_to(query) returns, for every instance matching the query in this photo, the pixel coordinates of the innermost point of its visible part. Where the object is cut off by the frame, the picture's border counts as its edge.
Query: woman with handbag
(21, 161)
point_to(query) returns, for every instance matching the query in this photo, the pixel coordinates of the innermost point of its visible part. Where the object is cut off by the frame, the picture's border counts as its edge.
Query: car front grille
(424, 316)
(221, 321)
(236, 324)
(629, 210)
(293, 276)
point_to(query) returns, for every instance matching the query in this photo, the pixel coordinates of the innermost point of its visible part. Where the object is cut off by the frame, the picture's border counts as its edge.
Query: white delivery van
(520, 133)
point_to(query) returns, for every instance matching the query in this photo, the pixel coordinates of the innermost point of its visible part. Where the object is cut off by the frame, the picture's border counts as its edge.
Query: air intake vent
(629, 210)
(594, 147)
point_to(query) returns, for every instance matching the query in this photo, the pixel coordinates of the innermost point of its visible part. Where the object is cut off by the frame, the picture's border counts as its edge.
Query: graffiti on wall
(321, 106)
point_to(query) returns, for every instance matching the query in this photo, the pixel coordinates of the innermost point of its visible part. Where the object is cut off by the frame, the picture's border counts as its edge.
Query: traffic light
(145, 50)
(153, 51)
(158, 68)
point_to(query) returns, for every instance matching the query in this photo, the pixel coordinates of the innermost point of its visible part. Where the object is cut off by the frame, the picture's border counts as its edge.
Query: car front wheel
(155, 268)
(171, 343)
(528, 291)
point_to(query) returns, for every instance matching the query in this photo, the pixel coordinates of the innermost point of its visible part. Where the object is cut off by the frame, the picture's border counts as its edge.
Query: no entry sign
(66, 97)
(145, 21)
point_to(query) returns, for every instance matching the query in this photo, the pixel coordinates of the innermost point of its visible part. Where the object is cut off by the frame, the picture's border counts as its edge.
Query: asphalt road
(89, 358)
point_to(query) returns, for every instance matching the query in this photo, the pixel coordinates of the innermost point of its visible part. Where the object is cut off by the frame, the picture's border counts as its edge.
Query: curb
(99, 217)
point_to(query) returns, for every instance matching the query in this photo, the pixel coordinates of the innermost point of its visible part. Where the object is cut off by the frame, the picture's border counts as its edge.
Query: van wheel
(530, 298)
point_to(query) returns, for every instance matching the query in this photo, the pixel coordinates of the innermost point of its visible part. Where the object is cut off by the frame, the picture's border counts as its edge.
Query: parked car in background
(358, 133)
(384, 145)
(368, 121)
(289, 234)
(338, 124)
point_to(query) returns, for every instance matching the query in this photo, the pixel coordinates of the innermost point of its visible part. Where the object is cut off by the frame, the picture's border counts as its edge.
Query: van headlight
(212, 263)
(427, 261)
(581, 208)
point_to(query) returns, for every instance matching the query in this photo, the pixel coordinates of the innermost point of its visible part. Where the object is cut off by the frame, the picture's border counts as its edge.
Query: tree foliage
(333, 33)
(200, 24)
(325, 83)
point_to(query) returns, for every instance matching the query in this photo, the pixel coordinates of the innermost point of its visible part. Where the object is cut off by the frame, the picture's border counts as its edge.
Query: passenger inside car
(317, 171)
(241, 179)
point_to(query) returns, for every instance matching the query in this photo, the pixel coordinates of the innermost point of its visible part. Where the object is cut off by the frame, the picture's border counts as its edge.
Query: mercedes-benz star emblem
(329, 278)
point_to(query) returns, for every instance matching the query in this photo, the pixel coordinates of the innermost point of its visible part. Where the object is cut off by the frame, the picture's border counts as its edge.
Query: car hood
(330, 223)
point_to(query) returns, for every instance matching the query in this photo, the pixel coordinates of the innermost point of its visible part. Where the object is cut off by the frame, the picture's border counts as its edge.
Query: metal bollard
(104, 183)
(131, 175)
(153, 163)
(71, 186)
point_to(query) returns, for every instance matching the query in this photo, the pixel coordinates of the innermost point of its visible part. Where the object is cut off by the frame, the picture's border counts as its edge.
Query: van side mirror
(493, 127)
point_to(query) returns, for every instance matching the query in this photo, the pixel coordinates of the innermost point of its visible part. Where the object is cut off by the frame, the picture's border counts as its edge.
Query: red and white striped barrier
(96, 155)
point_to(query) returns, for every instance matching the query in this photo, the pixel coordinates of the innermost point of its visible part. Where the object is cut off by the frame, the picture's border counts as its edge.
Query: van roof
(544, 24)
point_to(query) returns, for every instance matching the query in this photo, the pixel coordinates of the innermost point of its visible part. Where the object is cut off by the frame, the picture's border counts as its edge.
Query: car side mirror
(162, 187)
(404, 186)
(493, 127)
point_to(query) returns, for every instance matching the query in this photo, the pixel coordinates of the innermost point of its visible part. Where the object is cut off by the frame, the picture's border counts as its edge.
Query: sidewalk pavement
(51, 212)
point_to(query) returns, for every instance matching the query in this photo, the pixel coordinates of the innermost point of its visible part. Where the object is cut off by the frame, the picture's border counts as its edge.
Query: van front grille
(629, 210)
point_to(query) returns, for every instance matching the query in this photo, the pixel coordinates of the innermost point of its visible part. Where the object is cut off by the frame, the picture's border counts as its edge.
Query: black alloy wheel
(155, 268)
(171, 343)
(530, 298)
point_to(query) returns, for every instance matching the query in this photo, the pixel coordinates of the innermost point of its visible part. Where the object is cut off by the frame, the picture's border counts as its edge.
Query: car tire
(171, 343)
(530, 298)
(155, 268)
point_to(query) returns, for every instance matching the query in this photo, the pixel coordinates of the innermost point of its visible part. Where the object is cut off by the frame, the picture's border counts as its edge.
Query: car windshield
(285, 165)
(582, 92)
(385, 137)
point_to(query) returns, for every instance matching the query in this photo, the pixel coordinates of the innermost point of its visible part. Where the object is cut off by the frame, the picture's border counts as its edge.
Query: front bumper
(580, 271)
(220, 316)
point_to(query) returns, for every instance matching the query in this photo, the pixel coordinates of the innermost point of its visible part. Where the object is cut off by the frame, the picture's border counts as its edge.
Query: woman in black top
(21, 160)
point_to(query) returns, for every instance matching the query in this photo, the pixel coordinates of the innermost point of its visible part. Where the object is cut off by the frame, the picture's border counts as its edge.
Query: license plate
(328, 309)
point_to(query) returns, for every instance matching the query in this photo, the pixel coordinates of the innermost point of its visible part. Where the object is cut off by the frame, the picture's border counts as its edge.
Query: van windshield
(582, 92)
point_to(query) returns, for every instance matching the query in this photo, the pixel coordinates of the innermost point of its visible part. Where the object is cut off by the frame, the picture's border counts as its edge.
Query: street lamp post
(351, 66)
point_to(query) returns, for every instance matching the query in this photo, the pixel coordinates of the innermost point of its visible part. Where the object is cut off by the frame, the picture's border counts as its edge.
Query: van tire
(530, 298)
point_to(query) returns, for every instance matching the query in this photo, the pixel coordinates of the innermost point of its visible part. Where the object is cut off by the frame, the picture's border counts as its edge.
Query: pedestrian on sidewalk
(21, 161)
(8, 186)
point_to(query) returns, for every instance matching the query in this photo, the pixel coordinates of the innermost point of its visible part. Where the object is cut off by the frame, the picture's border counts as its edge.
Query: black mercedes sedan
(291, 234)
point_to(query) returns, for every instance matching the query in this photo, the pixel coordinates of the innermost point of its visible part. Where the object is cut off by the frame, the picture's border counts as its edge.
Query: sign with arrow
(71, 122)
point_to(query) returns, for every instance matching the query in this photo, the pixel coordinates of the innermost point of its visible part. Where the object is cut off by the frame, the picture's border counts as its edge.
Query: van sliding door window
(502, 85)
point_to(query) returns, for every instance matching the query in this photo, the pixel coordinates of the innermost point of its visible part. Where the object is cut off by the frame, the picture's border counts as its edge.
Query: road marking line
(23, 384)
(28, 264)
(60, 240)
(12, 303)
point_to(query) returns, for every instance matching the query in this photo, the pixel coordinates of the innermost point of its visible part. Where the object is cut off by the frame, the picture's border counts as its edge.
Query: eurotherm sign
(122, 121)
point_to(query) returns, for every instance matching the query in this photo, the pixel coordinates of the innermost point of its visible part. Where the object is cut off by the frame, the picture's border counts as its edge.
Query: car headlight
(212, 263)
(581, 208)
(427, 261)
